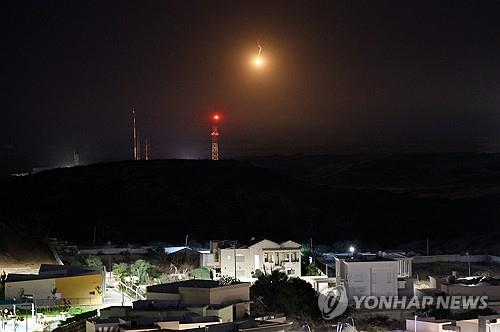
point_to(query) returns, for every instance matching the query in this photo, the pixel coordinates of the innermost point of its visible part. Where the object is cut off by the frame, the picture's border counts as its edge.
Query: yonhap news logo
(332, 302)
(454, 302)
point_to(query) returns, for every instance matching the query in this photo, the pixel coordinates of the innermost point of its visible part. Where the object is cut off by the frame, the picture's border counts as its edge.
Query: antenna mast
(135, 137)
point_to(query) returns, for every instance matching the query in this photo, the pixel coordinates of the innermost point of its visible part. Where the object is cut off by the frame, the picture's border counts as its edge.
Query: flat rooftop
(49, 271)
(476, 281)
(173, 287)
(364, 258)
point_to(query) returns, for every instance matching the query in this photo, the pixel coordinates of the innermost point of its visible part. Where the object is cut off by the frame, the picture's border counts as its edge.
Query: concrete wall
(372, 278)
(115, 251)
(162, 296)
(495, 327)
(81, 290)
(493, 292)
(104, 327)
(244, 265)
(191, 296)
(109, 312)
(319, 283)
(200, 310)
(208, 260)
(42, 289)
(217, 295)
(77, 289)
(490, 259)
(241, 310)
(230, 293)
(470, 325)
(186, 326)
(426, 326)
(225, 314)
(156, 313)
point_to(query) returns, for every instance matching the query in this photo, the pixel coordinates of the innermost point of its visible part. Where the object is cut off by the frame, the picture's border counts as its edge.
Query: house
(227, 301)
(57, 284)
(264, 256)
(191, 256)
(367, 274)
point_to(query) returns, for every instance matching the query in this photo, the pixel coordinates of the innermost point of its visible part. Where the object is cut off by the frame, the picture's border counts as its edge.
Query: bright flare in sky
(258, 60)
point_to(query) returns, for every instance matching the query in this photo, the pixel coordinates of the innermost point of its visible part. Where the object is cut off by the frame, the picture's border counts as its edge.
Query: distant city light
(352, 249)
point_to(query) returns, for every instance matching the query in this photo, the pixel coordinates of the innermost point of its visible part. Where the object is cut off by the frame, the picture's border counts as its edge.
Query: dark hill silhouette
(134, 201)
(166, 199)
(447, 175)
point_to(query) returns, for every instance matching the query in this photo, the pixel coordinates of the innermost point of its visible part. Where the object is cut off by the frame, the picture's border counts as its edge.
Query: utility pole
(427, 246)
(147, 150)
(235, 244)
(134, 136)
(76, 158)
(139, 151)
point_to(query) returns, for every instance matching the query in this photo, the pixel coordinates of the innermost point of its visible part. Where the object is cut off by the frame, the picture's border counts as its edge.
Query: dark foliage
(277, 293)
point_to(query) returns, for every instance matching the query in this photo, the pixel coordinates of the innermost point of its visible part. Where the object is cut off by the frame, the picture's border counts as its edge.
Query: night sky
(340, 76)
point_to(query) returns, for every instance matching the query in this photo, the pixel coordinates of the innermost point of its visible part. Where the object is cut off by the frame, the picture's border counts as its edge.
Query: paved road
(113, 297)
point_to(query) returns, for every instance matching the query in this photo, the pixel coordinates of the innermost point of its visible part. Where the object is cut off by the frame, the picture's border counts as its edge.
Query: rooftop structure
(206, 294)
(405, 263)
(468, 286)
(367, 274)
(193, 256)
(55, 284)
(245, 260)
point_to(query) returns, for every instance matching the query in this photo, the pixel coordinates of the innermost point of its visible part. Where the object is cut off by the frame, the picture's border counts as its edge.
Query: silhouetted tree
(292, 296)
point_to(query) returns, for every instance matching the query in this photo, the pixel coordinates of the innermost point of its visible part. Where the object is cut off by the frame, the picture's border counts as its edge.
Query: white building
(405, 263)
(483, 323)
(244, 261)
(367, 274)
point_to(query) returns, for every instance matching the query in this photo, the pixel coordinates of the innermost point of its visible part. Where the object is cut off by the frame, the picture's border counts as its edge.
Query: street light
(352, 250)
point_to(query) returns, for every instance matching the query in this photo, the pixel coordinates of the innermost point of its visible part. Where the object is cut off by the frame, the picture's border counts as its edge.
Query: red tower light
(215, 133)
